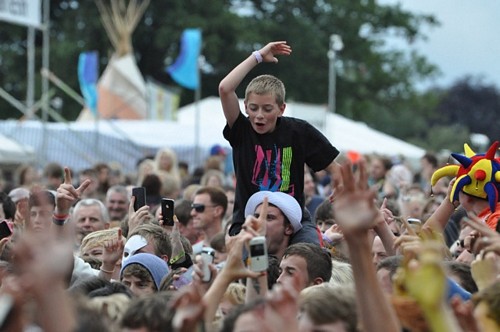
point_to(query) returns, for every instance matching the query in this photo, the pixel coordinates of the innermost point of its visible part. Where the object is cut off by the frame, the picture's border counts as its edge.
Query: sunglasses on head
(200, 207)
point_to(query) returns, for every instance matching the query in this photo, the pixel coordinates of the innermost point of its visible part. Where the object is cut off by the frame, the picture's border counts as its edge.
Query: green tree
(373, 83)
(371, 79)
(473, 104)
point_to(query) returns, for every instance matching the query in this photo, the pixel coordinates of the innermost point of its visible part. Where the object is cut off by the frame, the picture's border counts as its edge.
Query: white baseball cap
(286, 203)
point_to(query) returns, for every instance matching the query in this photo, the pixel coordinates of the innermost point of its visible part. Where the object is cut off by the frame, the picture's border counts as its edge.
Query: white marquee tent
(12, 152)
(343, 133)
(126, 141)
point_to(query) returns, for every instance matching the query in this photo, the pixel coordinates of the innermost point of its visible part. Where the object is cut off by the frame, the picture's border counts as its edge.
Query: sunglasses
(200, 207)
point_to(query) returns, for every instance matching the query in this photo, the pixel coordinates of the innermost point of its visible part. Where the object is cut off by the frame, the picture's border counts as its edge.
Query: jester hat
(477, 175)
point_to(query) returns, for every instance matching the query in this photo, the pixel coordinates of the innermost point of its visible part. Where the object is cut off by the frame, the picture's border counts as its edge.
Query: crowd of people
(369, 243)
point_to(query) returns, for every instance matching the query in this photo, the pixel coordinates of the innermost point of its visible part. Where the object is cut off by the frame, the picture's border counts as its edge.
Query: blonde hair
(97, 239)
(113, 306)
(170, 184)
(235, 293)
(327, 304)
(190, 190)
(174, 165)
(213, 173)
(147, 166)
(341, 275)
(267, 84)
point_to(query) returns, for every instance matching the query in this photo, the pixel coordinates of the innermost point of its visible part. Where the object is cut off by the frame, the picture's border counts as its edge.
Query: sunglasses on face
(200, 208)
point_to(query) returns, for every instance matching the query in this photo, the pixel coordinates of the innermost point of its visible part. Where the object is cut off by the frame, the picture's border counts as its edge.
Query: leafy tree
(374, 84)
(472, 104)
(370, 78)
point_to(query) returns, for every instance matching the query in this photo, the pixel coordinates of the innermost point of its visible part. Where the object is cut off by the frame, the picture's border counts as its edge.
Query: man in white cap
(283, 219)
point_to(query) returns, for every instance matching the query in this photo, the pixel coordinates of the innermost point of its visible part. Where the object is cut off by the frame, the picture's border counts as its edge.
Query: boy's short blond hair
(265, 84)
(97, 239)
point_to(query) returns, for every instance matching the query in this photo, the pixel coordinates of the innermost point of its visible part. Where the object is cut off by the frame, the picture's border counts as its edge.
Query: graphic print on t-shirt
(271, 170)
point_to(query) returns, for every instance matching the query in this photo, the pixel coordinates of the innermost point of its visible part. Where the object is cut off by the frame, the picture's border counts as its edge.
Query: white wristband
(257, 56)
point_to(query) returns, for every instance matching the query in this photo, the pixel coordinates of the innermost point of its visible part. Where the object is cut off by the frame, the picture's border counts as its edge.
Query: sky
(466, 43)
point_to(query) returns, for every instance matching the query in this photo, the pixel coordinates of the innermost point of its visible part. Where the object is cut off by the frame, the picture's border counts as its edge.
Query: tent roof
(12, 152)
(125, 141)
(343, 133)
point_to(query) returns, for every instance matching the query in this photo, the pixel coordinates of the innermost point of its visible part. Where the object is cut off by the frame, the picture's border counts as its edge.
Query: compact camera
(207, 256)
(258, 254)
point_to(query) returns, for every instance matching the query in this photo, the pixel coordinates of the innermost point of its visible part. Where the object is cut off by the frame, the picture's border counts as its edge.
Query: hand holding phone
(184, 279)
(167, 211)
(140, 197)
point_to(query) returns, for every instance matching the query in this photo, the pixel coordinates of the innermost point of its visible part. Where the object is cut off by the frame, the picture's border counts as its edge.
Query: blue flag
(185, 68)
(88, 71)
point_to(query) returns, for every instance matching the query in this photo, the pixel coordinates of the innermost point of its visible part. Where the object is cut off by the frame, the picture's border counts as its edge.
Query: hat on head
(18, 194)
(154, 264)
(286, 203)
(477, 175)
(217, 150)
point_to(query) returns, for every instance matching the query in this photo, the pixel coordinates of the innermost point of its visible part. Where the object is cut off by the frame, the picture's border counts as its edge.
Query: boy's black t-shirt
(274, 161)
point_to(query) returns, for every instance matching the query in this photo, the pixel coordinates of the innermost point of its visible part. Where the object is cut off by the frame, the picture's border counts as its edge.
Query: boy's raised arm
(227, 87)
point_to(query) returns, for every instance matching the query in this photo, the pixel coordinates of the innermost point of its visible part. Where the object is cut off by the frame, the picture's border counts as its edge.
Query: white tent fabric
(126, 141)
(12, 152)
(343, 133)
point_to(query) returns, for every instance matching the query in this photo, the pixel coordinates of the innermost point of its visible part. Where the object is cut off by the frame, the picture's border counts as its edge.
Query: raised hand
(43, 260)
(272, 49)
(386, 214)
(22, 212)
(136, 218)
(67, 194)
(234, 267)
(485, 269)
(189, 309)
(427, 270)
(354, 207)
(113, 251)
(282, 304)
(258, 226)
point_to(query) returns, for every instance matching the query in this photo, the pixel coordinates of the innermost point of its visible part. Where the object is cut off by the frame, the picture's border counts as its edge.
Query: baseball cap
(217, 150)
(286, 203)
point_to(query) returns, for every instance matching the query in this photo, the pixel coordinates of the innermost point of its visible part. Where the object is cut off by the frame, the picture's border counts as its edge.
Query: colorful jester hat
(477, 175)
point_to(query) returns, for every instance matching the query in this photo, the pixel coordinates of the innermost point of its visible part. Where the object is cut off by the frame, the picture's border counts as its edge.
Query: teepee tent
(121, 88)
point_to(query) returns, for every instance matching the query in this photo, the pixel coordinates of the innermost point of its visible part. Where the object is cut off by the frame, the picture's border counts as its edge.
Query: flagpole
(45, 80)
(30, 91)
(197, 96)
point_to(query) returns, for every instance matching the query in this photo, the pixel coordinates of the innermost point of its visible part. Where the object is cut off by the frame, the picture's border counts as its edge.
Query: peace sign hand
(67, 194)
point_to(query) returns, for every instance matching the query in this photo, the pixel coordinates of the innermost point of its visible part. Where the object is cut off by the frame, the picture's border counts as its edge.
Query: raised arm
(233, 269)
(67, 195)
(227, 87)
(336, 175)
(438, 220)
(355, 212)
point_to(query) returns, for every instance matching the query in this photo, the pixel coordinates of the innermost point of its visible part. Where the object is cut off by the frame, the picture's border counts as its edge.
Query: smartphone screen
(5, 230)
(167, 211)
(140, 197)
